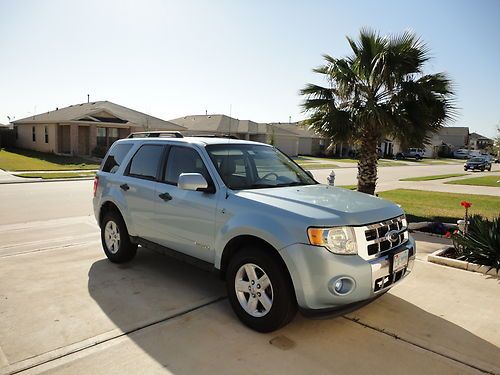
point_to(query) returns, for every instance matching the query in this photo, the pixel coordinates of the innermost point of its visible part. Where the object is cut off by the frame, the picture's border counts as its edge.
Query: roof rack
(214, 136)
(156, 134)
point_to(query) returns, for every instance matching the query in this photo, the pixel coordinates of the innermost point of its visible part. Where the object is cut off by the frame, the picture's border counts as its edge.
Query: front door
(185, 220)
(83, 140)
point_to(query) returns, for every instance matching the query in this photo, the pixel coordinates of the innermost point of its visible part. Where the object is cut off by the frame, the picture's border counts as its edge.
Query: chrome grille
(384, 236)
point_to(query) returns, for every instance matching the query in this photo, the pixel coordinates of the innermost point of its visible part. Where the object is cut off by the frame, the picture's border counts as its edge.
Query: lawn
(27, 160)
(349, 187)
(422, 205)
(435, 177)
(53, 175)
(318, 166)
(493, 180)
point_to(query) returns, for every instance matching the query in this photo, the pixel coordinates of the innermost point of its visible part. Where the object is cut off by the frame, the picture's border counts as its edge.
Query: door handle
(165, 196)
(124, 187)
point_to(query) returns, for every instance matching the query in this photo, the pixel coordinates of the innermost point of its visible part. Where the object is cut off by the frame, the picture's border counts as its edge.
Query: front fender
(252, 224)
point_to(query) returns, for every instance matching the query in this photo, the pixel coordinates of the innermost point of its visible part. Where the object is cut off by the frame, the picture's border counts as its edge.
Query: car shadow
(198, 333)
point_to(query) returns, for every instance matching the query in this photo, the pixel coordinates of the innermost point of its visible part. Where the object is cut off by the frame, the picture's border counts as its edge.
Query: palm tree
(379, 91)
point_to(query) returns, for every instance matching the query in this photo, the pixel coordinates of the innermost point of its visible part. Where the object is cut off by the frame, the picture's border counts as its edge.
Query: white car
(461, 154)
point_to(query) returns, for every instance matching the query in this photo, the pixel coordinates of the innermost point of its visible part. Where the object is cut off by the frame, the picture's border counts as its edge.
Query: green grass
(478, 181)
(436, 177)
(52, 175)
(28, 160)
(422, 205)
(350, 187)
(318, 166)
(389, 163)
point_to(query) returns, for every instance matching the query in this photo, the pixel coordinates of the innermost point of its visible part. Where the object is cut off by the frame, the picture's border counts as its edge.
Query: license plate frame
(400, 260)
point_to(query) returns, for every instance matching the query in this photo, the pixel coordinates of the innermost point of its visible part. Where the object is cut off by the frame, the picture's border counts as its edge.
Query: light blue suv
(279, 239)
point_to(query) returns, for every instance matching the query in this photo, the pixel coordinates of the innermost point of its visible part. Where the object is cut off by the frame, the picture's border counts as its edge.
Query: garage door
(288, 145)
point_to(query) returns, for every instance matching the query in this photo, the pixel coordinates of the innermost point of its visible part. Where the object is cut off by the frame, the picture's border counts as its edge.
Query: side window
(145, 162)
(183, 160)
(115, 157)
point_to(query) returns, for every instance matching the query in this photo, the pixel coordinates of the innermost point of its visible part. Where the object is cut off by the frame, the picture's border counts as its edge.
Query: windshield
(246, 166)
(476, 159)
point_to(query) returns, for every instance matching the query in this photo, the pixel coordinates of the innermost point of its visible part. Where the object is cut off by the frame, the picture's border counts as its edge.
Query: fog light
(338, 285)
(342, 285)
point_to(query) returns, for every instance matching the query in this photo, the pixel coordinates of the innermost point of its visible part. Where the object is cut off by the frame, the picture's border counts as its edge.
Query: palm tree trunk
(367, 165)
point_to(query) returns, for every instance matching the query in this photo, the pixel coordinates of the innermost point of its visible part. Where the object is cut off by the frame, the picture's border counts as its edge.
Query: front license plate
(400, 260)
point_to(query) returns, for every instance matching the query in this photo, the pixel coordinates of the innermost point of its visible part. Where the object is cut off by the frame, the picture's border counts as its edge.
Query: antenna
(88, 98)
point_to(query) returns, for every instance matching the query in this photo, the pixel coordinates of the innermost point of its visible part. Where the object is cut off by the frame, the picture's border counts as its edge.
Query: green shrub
(481, 243)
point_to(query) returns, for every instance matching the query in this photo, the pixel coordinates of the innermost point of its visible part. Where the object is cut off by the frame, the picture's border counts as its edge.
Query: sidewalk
(9, 177)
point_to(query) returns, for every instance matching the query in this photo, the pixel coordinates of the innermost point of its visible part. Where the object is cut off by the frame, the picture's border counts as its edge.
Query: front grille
(385, 236)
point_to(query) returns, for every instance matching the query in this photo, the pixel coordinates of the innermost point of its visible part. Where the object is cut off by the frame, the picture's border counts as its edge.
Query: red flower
(465, 204)
(447, 235)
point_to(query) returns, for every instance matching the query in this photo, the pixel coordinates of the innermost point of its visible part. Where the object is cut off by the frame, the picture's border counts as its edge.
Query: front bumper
(475, 166)
(314, 270)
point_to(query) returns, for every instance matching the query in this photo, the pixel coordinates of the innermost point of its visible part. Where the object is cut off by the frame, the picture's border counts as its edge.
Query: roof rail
(214, 136)
(156, 134)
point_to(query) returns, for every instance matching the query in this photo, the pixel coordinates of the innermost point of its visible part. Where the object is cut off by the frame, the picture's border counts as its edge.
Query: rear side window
(145, 162)
(115, 157)
(184, 160)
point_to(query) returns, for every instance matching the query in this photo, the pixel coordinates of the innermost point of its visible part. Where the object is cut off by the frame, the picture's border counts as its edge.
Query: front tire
(115, 239)
(260, 290)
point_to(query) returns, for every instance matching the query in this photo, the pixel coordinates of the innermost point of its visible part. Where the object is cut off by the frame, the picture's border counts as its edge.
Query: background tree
(378, 91)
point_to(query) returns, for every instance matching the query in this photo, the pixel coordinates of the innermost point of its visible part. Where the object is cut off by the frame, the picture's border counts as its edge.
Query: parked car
(479, 163)
(461, 154)
(411, 153)
(279, 239)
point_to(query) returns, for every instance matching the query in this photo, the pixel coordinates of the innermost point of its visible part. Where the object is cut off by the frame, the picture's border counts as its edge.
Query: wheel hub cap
(254, 290)
(112, 237)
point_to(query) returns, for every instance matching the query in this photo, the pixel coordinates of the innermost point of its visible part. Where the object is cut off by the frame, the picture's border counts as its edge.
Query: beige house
(292, 139)
(479, 142)
(82, 129)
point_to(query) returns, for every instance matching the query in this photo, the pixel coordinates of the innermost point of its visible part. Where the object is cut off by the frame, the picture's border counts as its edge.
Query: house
(292, 139)
(479, 142)
(83, 129)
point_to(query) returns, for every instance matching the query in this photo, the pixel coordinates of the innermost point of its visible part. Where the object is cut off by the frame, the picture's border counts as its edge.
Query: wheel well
(107, 207)
(239, 242)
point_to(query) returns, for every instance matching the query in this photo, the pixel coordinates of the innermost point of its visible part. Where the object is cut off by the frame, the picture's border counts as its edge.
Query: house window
(33, 133)
(112, 135)
(46, 134)
(101, 137)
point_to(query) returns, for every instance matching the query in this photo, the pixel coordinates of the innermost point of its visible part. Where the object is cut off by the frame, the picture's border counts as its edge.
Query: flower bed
(447, 257)
(476, 244)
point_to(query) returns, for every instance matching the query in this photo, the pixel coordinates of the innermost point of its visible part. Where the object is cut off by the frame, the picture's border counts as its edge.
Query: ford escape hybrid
(279, 239)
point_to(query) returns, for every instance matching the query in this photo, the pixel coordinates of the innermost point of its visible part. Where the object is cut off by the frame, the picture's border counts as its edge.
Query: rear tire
(115, 239)
(260, 290)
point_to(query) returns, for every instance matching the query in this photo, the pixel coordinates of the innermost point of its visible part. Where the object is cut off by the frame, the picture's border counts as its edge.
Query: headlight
(339, 240)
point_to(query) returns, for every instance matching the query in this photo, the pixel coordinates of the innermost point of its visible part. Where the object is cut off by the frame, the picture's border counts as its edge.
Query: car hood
(326, 205)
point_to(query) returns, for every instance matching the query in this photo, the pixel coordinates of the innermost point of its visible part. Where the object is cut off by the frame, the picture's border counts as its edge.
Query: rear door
(139, 186)
(185, 220)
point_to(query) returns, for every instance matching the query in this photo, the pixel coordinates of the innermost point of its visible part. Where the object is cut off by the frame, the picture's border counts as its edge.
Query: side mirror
(192, 181)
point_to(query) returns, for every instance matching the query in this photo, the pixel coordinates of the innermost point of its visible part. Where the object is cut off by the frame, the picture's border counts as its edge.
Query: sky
(244, 58)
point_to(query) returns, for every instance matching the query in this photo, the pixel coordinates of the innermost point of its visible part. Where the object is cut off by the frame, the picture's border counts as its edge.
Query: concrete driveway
(65, 309)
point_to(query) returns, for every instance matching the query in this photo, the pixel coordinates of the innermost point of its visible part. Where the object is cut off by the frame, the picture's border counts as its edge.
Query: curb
(436, 258)
(37, 180)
